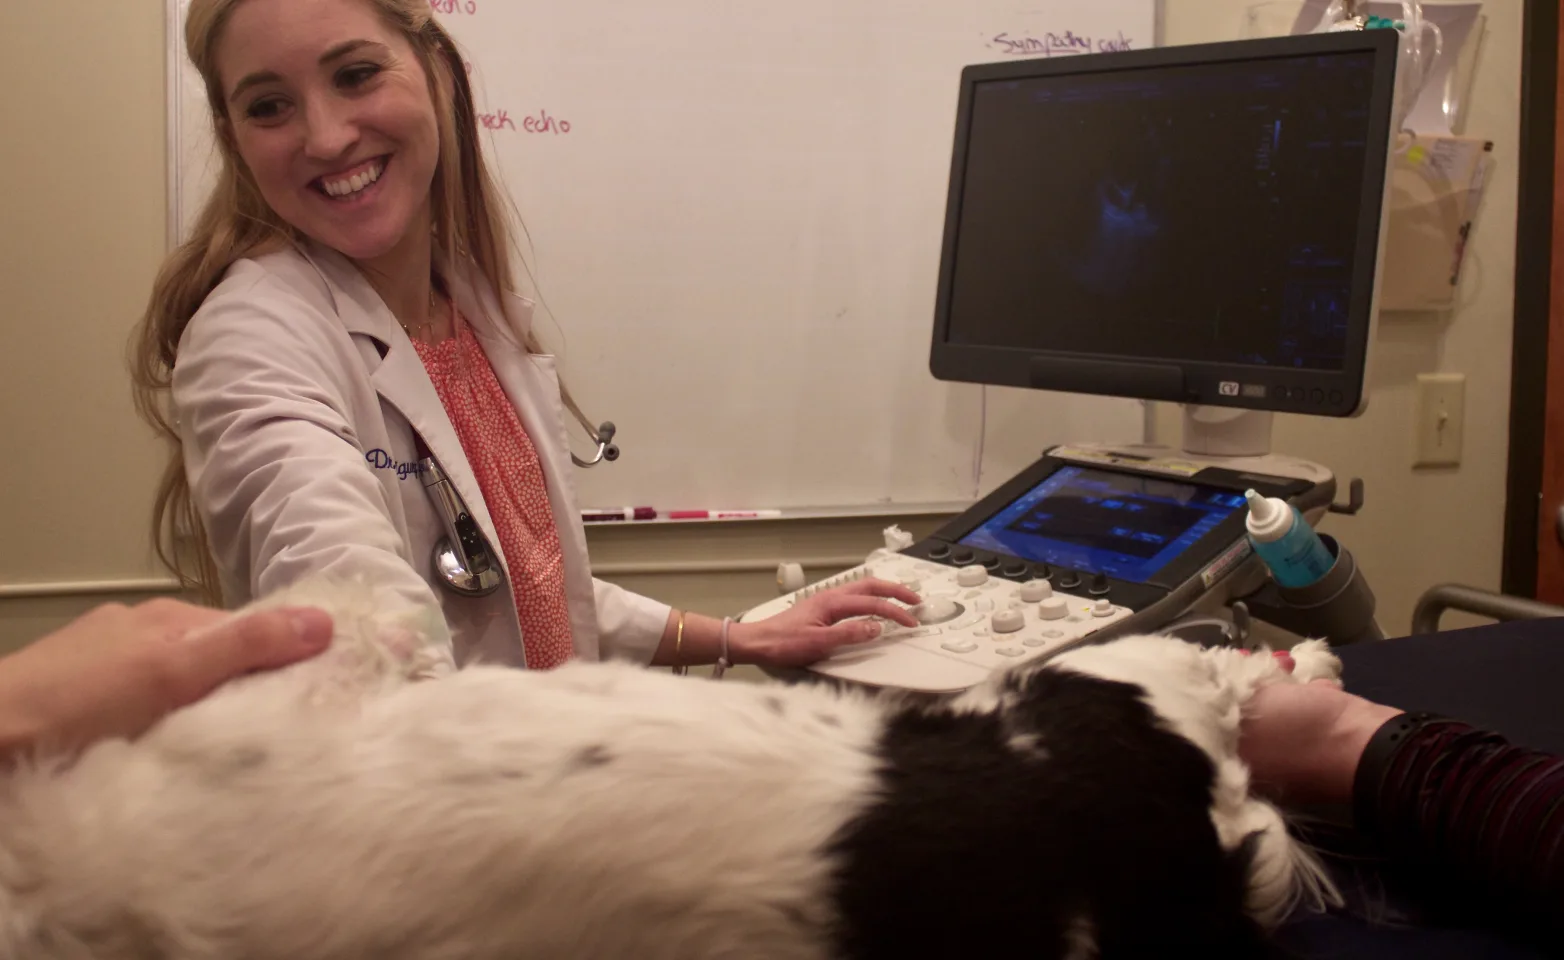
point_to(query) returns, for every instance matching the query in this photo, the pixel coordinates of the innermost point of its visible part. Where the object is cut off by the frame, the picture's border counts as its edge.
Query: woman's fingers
(879, 588)
(843, 605)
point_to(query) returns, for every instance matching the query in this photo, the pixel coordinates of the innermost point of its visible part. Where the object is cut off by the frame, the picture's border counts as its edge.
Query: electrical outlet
(1441, 419)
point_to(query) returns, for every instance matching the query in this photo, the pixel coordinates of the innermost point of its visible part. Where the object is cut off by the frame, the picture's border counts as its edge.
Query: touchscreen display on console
(1125, 526)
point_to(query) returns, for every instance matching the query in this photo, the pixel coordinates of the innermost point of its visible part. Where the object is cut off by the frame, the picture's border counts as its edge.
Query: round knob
(990, 564)
(1015, 570)
(1034, 590)
(1042, 571)
(1054, 608)
(912, 583)
(1069, 580)
(1102, 608)
(1099, 585)
(790, 577)
(960, 557)
(936, 611)
(939, 551)
(971, 576)
(1006, 621)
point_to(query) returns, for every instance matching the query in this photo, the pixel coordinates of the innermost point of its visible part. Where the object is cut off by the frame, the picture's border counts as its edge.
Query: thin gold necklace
(418, 331)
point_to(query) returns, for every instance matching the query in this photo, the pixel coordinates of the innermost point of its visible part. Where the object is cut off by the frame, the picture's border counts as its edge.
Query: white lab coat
(297, 395)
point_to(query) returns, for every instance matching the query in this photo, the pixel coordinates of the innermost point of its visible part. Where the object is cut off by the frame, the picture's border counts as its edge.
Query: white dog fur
(335, 809)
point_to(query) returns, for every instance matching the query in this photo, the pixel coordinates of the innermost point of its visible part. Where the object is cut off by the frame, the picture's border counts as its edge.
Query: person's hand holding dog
(1303, 741)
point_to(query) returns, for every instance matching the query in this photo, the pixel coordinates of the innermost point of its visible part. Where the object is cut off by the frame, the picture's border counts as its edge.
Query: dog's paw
(1313, 660)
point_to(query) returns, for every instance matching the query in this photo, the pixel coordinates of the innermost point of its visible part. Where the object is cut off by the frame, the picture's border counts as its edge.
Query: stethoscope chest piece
(463, 560)
(454, 574)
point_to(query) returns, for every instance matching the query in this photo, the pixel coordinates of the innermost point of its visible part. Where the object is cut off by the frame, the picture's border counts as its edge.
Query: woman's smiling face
(330, 110)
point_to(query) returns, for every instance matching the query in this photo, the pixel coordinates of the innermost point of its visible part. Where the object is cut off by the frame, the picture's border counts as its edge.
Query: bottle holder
(1337, 608)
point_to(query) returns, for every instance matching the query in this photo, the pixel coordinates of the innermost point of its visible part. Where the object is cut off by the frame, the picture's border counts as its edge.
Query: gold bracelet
(678, 648)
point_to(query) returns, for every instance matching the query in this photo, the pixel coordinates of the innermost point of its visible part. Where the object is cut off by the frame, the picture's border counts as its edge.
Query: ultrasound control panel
(1080, 547)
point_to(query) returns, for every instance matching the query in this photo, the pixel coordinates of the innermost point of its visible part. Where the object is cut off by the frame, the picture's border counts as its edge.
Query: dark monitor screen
(1128, 527)
(1216, 216)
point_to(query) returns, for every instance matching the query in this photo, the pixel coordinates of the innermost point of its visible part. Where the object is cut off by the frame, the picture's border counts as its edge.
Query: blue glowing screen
(1125, 526)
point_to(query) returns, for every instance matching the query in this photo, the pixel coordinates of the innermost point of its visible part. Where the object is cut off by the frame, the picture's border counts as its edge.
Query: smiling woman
(341, 139)
(342, 310)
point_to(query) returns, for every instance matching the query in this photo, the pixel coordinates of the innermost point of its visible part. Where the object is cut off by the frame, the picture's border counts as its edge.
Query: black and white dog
(1094, 806)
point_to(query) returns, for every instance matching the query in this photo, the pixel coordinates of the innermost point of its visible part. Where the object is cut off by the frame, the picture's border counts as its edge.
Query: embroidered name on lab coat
(381, 460)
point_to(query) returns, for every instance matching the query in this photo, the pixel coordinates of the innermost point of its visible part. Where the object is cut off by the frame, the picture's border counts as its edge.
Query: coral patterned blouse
(510, 476)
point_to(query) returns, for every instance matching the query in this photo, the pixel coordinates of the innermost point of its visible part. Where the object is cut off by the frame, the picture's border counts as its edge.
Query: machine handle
(1484, 603)
(1354, 499)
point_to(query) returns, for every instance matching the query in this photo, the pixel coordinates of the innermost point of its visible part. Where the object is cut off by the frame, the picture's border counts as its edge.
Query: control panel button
(1054, 608)
(1010, 652)
(1102, 608)
(1007, 621)
(959, 646)
(1034, 590)
(1069, 580)
(1014, 570)
(1033, 642)
(971, 576)
(939, 551)
(936, 611)
(960, 557)
(1099, 585)
(1042, 571)
(984, 605)
(991, 564)
(912, 583)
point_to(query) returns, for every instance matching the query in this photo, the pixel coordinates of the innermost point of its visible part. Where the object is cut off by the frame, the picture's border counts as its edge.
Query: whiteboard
(733, 216)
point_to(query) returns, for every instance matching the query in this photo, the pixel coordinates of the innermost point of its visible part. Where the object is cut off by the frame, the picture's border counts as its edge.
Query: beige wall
(83, 207)
(83, 212)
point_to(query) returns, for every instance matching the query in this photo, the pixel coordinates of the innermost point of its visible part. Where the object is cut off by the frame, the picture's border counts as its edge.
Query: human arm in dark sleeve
(1483, 816)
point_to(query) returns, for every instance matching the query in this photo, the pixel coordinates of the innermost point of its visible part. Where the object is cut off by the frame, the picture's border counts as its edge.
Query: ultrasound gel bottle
(1292, 550)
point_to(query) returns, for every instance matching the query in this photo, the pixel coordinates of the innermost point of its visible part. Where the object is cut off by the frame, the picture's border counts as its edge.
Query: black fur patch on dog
(977, 850)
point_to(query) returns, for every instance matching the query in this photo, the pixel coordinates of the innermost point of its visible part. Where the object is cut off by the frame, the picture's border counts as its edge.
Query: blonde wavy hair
(469, 222)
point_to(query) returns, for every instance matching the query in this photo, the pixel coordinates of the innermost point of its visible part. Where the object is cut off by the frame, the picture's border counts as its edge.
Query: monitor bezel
(1287, 390)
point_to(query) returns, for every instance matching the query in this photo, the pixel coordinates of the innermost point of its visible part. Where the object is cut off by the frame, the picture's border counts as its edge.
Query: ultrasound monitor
(1195, 224)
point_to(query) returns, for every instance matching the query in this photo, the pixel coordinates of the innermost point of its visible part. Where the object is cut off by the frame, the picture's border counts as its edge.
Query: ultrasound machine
(1199, 225)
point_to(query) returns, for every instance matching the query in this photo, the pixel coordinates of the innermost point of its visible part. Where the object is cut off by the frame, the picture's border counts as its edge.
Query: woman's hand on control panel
(814, 627)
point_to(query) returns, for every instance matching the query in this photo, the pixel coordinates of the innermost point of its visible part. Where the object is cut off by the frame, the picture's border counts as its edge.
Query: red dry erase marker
(724, 514)
(618, 513)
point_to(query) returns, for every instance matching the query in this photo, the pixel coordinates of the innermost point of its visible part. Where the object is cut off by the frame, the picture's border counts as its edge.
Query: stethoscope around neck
(464, 560)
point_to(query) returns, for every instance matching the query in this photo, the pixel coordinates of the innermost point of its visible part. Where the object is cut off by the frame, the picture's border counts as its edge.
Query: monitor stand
(1226, 431)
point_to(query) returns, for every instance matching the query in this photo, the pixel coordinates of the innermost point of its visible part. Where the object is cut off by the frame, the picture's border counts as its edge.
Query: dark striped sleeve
(1469, 805)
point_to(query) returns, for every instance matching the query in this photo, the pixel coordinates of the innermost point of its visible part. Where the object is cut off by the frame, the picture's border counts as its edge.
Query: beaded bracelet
(723, 663)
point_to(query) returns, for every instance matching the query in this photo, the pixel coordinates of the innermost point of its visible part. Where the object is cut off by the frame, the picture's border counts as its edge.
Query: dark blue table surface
(1504, 678)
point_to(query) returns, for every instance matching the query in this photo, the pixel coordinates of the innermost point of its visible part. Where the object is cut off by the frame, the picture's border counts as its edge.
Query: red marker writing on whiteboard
(724, 514)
